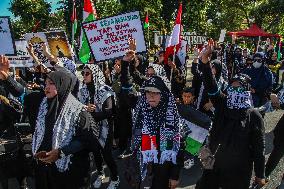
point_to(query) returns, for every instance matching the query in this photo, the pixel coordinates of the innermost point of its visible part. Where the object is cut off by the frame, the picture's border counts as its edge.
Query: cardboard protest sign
(7, 45)
(108, 37)
(23, 58)
(37, 39)
(58, 44)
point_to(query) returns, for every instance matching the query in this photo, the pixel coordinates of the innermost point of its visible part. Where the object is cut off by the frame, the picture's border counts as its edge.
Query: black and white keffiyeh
(160, 71)
(68, 64)
(281, 96)
(161, 124)
(63, 130)
(102, 93)
(239, 99)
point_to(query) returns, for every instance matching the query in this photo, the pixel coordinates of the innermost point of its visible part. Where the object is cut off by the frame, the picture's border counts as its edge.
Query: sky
(4, 5)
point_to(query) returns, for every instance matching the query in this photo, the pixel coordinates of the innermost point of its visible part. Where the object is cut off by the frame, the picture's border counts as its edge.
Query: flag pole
(174, 57)
(73, 28)
(148, 30)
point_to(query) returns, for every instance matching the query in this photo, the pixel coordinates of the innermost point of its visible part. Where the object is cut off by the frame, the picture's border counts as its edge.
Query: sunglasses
(85, 73)
(257, 59)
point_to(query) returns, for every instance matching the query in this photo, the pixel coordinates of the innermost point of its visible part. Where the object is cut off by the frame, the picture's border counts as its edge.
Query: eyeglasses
(85, 73)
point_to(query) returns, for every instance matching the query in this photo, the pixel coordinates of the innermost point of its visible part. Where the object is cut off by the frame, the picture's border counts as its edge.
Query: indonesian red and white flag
(174, 41)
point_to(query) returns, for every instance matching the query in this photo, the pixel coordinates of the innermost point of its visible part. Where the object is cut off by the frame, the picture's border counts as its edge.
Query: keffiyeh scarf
(68, 64)
(239, 99)
(156, 133)
(103, 92)
(160, 71)
(281, 96)
(63, 130)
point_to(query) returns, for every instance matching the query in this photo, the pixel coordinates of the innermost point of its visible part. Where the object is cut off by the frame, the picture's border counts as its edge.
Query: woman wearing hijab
(101, 103)
(236, 139)
(156, 135)
(59, 120)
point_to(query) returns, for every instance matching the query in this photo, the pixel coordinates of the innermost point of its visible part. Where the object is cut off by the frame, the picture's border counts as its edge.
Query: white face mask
(257, 64)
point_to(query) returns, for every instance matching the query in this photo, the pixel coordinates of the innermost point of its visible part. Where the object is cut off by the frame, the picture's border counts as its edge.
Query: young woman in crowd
(60, 121)
(100, 100)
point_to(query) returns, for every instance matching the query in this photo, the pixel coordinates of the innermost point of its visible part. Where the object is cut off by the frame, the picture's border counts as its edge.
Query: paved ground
(189, 177)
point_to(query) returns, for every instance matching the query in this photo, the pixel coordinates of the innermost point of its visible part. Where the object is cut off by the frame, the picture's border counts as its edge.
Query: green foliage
(108, 8)
(203, 16)
(29, 12)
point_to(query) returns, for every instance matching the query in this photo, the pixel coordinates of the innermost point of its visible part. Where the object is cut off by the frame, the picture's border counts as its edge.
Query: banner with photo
(7, 44)
(108, 37)
(56, 42)
(37, 39)
(23, 58)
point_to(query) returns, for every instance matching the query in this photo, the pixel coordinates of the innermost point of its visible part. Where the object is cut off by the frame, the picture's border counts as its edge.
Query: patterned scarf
(160, 71)
(156, 124)
(281, 96)
(239, 99)
(103, 92)
(68, 64)
(63, 130)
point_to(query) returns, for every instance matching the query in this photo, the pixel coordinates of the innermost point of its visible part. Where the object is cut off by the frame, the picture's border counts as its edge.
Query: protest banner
(58, 44)
(7, 45)
(23, 58)
(108, 37)
(192, 38)
(37, 39)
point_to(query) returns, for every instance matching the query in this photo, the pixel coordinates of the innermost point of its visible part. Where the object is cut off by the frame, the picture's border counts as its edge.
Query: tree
(29, 13)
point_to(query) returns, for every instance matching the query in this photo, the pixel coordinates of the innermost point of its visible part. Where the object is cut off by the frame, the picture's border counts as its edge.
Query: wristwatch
(61, 153)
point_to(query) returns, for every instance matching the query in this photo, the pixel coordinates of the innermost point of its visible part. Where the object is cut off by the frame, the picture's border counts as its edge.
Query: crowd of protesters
(133, 106)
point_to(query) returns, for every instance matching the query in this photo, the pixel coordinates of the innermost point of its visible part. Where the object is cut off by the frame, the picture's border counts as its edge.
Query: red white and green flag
(146, 23)
(74, 22)
(279, 50)
(89, 14)
(174, 42)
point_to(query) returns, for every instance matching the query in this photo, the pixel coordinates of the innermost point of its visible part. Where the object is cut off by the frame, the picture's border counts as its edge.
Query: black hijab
(64, 85)
(218, 67)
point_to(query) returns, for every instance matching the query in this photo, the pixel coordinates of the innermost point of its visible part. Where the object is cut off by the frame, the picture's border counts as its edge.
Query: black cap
(188, 90)
(155, 84)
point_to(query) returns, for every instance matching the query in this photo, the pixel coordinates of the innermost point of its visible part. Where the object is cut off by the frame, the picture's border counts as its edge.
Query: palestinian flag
(89, 14)
(74, 22)
(279, 50)
(195, 138)
(195, 126)
(146, 23)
